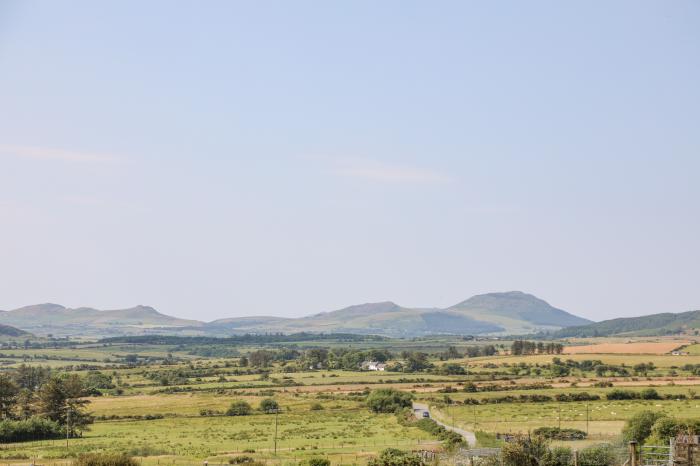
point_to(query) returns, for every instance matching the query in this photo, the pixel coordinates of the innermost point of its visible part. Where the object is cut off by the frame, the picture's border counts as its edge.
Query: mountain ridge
(664, 323)
(512, 312)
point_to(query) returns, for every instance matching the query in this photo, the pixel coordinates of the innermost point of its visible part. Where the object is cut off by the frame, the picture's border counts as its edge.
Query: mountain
(9, 331)
(58, 320)
(650, 325)
(512, 312)
(493, 313)
(518, 306)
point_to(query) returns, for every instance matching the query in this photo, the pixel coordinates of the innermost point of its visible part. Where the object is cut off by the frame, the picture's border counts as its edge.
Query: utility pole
(587, 418)
(559, 417)
(67, 425)
(277, 411)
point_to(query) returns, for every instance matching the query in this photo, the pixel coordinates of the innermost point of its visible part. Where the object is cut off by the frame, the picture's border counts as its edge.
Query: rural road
(420, 408)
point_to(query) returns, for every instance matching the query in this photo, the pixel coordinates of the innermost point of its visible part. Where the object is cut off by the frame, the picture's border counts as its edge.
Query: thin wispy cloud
(381, 172)
(54, 154)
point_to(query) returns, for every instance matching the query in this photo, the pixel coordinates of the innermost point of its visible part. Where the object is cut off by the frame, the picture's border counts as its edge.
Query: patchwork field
(626, 348)
(167, 403)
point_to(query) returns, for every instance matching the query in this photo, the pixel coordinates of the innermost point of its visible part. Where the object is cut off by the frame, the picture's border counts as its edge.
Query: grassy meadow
(167, 402)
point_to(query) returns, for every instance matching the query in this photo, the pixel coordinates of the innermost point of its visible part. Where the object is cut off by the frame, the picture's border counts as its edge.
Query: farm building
(373, 366)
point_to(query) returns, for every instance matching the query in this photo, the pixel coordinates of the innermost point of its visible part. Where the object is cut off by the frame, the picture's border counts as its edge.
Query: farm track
(469, 436)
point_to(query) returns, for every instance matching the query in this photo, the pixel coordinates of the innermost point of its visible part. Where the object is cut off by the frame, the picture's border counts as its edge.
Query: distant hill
(493, 313)
(9, 331)
(58, 320)
(650, 325)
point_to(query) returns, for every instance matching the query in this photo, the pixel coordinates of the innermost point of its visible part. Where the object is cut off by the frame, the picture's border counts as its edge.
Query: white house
(373, 366)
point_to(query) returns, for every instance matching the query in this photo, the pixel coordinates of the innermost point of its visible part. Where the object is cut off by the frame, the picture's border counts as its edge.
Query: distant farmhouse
(372, 366)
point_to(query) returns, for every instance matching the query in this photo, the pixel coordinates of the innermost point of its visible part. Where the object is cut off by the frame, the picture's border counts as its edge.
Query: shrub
(268, 405)
(104, 459)
(525, 451)
(316, 407)
(638, 427)
(556, 433)
(388, 400)
(619, 394)
(34, 428)
(244, 459)
(649, 394)
(558, 456)
(450, 439)
(394, 457)
(317, 461)
(239, 408)
(598, 455)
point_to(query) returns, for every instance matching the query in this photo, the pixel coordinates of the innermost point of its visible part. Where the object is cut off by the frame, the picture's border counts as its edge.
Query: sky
(220, 159)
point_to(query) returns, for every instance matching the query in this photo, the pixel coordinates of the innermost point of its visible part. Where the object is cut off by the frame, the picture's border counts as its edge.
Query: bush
(316, 407)
(317, 461)
(598, 455)
(450, 439)
(638, 427)
(394, 457)
(525, 451)
(239, 408)
(268, 405)
(619, 394)
(649, 394)
(389, 400)
(556, 433)
(34, 428)
(104, 459)
(241, 460)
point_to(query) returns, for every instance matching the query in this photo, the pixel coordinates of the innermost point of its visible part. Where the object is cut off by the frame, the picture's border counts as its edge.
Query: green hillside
(655, 324)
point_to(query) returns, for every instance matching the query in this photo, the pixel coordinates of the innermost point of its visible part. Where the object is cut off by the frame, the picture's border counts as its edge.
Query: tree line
(38, 404)
(524, 347)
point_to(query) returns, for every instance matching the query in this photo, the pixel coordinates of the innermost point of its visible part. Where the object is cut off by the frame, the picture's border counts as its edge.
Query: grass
(344, 430)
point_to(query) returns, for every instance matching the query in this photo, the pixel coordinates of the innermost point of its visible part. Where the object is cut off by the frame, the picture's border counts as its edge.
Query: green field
(166, 405)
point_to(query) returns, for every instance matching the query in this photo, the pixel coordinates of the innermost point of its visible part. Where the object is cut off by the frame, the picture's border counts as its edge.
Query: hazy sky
(218, 159)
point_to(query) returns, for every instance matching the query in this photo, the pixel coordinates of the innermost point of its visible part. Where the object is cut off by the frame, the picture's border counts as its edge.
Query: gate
(656, 455)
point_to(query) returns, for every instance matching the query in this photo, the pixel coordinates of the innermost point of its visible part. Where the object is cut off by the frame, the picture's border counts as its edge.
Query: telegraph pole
(559, 417)
(277, 411)
(67, 425)
(586, 418)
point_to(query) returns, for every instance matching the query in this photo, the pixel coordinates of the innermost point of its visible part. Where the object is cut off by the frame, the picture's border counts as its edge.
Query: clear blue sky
(217, 159)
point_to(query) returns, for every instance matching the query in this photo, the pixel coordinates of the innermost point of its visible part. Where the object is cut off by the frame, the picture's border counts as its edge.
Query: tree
(638, 427)
(268, 405)
(8, 396)
(25, 404)
(416, 361)
(388, 400)
(260, 358)
(239, 408)
(60, 400)
(31, 377)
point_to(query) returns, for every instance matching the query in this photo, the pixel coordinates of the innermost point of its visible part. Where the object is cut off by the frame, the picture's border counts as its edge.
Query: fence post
(575, 457)
(633, 453)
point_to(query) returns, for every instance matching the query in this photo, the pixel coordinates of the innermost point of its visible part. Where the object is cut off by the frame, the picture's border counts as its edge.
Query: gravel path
(420, 408)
